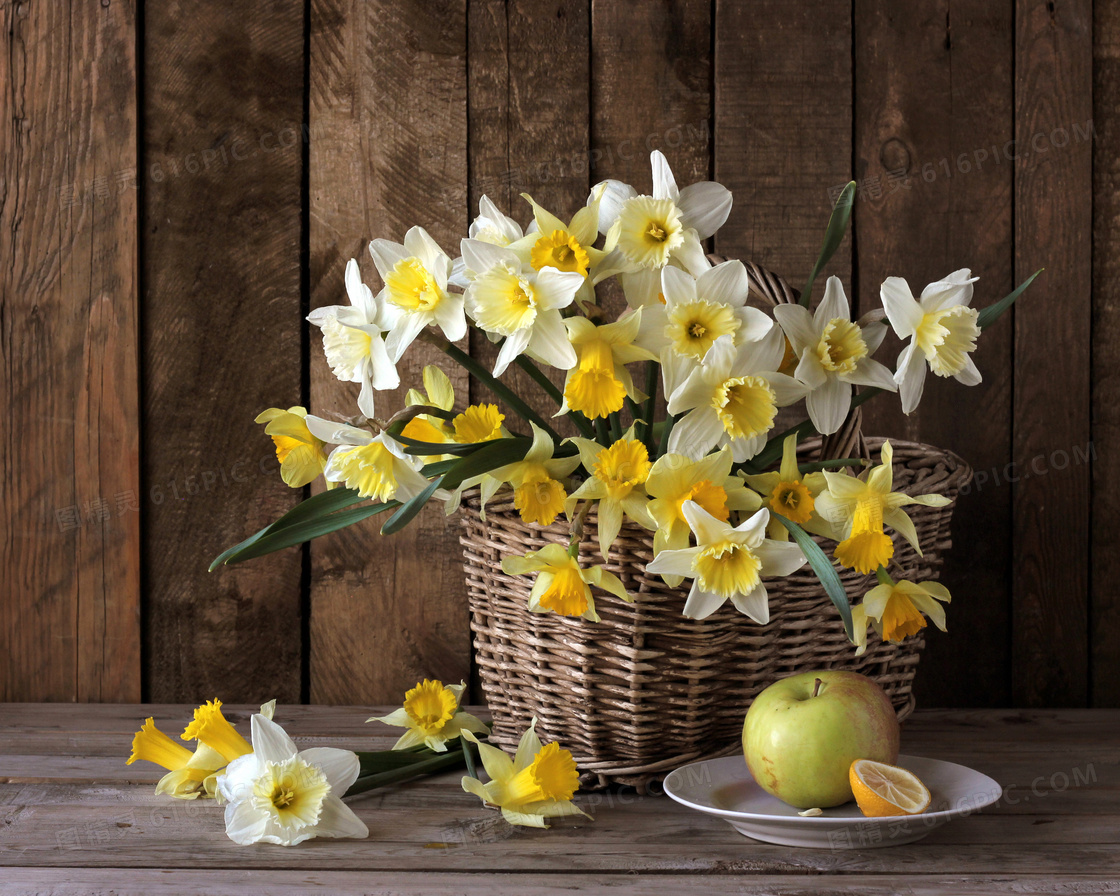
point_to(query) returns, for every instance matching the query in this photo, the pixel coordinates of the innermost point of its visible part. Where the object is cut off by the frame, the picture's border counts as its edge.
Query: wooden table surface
(76, 819)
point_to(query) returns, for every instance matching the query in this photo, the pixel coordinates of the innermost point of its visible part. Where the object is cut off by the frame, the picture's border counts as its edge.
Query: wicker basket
(645, 690)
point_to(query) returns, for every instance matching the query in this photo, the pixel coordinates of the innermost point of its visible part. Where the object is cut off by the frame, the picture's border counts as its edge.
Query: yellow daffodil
(432, 716)
(617, 482)
(942, 329)
(792, 495)
(562, 585)
(438, 393)
(675, 479)
(538, 480)
(897, 610)
(599, 383)
(187, 771)
(375, 466)
(478, 423)
(302, 456)
(834, 353)
(416, 279)
(859, 508)
(211, 728)
(352, 339)
(538, 783)
(732, 398)
(728, 563)
(509, 299)
(650, 232)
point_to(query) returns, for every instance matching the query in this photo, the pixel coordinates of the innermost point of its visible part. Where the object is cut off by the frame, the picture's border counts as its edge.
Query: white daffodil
(416, 277)
(279, 794)
(352, 339)
(376, 466)
(491, 226)
(650, 232)
(728, 563)
(942, 330)
(732, 398)
(833, 355)
(509, 299)
(696, 312)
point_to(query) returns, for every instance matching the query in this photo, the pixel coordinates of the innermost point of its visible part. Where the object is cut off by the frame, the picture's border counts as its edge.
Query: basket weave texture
(645, 690)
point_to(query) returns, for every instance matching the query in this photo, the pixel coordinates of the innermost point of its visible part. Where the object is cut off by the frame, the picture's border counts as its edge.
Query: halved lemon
(882, 789)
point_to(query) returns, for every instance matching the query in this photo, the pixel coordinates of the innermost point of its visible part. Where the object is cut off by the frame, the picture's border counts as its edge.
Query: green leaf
(410, 508)
(833, 236)
(266, 542)
(990, 315)
(311, 508)
(425, 449)
(824, 569)
(493, 455)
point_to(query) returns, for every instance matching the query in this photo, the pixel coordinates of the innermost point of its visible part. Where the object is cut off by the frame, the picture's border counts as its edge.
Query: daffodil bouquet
(688, 455)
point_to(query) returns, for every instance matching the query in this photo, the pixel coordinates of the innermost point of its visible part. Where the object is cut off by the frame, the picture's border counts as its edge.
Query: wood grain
(1053, 226)
(70, 561)
(221, 332)
(783, 129)
(220, 883)
(935, 196)
(388, 150)
(1104, 602)
(529, 133)
(91, 821)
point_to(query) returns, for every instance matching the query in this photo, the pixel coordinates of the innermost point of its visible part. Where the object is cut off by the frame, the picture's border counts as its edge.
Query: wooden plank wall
(178, 189)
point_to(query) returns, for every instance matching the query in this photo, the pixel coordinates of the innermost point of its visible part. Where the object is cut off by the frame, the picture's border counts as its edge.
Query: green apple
(802, 733)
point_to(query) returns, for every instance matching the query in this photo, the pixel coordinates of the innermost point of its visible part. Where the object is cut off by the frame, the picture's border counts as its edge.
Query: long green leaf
(301, 532)
(426, 449)
(408, 510)
(495, 454)
(990, 315)
(311, 508)
(833, 236)
(824, 569)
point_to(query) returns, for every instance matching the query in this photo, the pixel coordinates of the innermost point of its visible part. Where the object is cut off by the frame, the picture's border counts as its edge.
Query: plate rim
(990, 796)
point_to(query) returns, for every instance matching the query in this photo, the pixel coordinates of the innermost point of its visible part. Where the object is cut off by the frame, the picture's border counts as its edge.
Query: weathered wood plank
(141, 882)
(1104, 603)
(783, 129)
(1053, 226)
(221, 266)
(388, 150)
(933, 115)
(70, 561)
(529, 132)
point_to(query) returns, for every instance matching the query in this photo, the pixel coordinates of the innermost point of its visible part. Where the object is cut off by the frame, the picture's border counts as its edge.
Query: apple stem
(817, 687)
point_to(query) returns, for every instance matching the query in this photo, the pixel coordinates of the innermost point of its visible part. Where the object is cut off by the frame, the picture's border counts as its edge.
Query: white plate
(724, 788)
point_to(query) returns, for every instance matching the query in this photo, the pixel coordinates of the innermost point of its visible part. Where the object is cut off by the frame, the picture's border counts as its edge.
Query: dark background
(181, 182)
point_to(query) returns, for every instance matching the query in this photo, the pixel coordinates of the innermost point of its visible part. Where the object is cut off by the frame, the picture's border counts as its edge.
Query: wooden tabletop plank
(158, 881)
(70, 803)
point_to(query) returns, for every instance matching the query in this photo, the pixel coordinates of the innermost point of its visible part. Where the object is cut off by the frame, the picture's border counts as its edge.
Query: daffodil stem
(601, 432)
(651, 398)
(883, 576)
(437, 763)
(484, 376)
(616, 426)
(541, 379)
(670, 421)
(830, 464)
